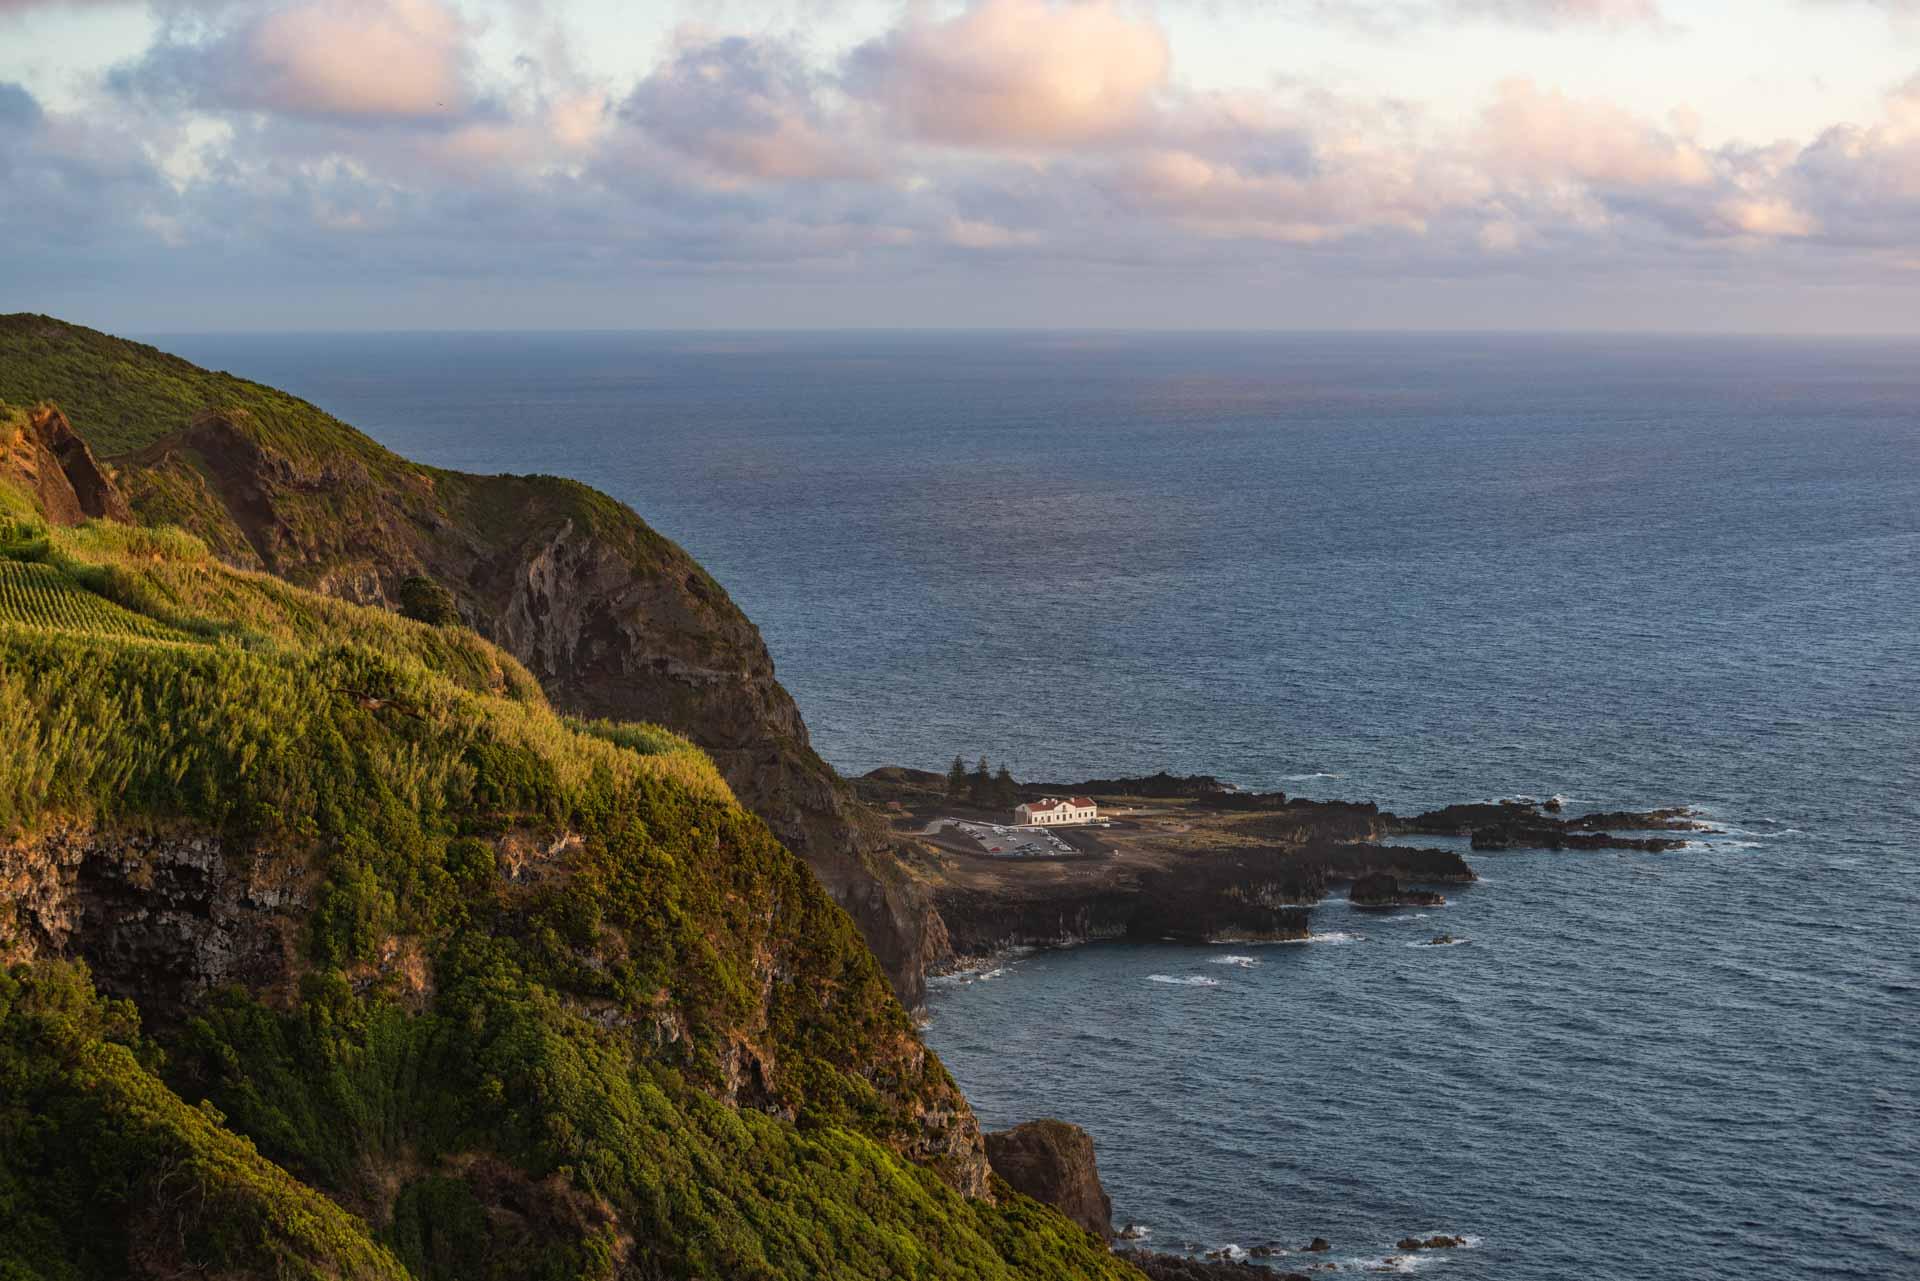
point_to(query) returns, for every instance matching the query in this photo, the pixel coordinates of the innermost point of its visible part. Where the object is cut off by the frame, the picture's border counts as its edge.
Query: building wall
(1055, 817)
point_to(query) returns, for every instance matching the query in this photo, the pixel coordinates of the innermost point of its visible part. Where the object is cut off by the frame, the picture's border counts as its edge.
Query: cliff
(330, 949)
(613, 619)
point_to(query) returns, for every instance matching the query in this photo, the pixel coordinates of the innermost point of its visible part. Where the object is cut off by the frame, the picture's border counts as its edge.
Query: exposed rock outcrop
(1507, 825)
(1053, 1163)
(167, 918)
(48, 458)
(1250, 893)
(1382, 889)
(1161, 786)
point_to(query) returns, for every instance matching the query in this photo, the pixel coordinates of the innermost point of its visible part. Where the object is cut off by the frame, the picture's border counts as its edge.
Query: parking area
(1003, 841)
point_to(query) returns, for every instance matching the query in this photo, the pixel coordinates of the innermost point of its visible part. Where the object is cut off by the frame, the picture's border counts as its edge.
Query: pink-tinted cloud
(345, 59)
(1537, 135)
(360, 57)
(1024, 73)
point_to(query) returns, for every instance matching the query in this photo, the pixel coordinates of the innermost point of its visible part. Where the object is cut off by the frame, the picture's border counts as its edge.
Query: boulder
(1053, 1163)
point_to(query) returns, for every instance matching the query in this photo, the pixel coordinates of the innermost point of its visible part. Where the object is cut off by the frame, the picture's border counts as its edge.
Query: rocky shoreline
(1192, 860)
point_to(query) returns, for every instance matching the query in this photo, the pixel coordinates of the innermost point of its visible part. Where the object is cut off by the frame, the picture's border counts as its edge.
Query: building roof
(1053, 803)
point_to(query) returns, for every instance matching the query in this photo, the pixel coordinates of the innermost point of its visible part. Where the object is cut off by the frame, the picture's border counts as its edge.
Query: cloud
(1024, 73)
(744, 107)
(1543, 136)
(1563, 13)
(345, 59)
(18, 108)
(1043, 137)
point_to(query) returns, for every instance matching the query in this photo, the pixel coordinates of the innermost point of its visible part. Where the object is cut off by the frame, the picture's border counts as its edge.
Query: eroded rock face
(1053, 1163)
(55, 465)
(166, 918)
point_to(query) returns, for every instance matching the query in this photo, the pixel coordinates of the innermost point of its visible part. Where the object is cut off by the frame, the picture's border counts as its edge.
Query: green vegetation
(41, 596)
(129, 395)
(557, 1006)
(102, 1165)
(426, 601)
(982, 786)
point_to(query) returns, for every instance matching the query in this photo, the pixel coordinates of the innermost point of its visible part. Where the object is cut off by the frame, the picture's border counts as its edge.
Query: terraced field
(42, 596)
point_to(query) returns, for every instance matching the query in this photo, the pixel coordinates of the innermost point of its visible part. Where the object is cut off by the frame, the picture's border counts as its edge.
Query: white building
(1052, 811)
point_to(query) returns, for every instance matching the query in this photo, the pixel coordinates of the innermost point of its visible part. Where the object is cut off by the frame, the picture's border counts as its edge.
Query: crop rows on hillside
(42, 596)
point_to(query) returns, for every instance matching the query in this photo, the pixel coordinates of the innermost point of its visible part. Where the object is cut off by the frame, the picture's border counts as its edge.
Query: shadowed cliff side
(613, 619)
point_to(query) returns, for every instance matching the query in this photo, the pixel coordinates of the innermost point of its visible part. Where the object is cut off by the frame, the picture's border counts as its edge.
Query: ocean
(1411, 569)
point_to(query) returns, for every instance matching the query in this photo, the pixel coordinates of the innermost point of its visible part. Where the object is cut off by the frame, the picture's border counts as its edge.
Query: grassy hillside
(553, 1004)
(612, 619)
(130, 395)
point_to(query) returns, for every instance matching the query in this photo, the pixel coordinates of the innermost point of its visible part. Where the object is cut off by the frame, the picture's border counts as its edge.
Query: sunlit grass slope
(660, 1052)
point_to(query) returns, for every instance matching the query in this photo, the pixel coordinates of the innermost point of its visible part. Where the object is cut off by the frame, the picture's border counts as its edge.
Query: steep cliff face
(613, 619)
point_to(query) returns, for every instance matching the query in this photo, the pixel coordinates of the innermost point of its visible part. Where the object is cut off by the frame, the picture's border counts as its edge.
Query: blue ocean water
(1412, 569)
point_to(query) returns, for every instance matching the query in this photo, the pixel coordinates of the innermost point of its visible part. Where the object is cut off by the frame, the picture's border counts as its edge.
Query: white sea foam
(1188, 980)
(993, 968)
(1406, 916)
(1244, 962)
(1331, 936)
(1308, 778)
(1431, 943)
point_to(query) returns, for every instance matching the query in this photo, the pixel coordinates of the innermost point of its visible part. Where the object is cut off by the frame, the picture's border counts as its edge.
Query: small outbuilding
(1053, 811)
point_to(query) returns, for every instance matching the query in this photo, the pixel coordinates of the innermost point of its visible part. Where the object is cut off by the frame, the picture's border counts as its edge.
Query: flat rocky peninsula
(1194, 860)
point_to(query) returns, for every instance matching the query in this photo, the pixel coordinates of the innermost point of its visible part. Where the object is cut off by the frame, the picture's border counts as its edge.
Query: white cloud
(1018, 72)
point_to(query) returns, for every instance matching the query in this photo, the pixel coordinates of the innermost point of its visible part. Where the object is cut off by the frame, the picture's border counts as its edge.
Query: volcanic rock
(1053, 1162)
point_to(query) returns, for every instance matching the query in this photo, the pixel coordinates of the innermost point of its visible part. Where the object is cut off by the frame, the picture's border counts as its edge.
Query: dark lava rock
(1178, 1267)
(1383, 890)
(1053, 1163)
(1441, 1242)
(1161, 786)
(1511, 825)
(1545, 834)
(1319, 1245)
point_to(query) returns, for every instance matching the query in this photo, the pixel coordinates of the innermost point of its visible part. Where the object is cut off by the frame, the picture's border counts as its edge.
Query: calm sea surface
(1411, 569)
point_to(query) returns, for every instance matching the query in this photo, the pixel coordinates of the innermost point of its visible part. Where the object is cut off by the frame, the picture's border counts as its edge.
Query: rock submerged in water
(1441, 1242)
(1319, 1245)
(1052, 1162)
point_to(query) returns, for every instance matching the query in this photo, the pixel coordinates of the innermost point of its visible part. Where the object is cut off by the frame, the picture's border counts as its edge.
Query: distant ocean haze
(1412, 569)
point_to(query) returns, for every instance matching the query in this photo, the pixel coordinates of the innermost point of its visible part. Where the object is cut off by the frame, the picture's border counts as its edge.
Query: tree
(981, 791)
(426, 601)
(956, 778)
(1006, 793)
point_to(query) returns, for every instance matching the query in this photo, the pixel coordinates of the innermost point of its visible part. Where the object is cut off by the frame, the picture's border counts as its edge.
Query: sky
(1639, 165)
